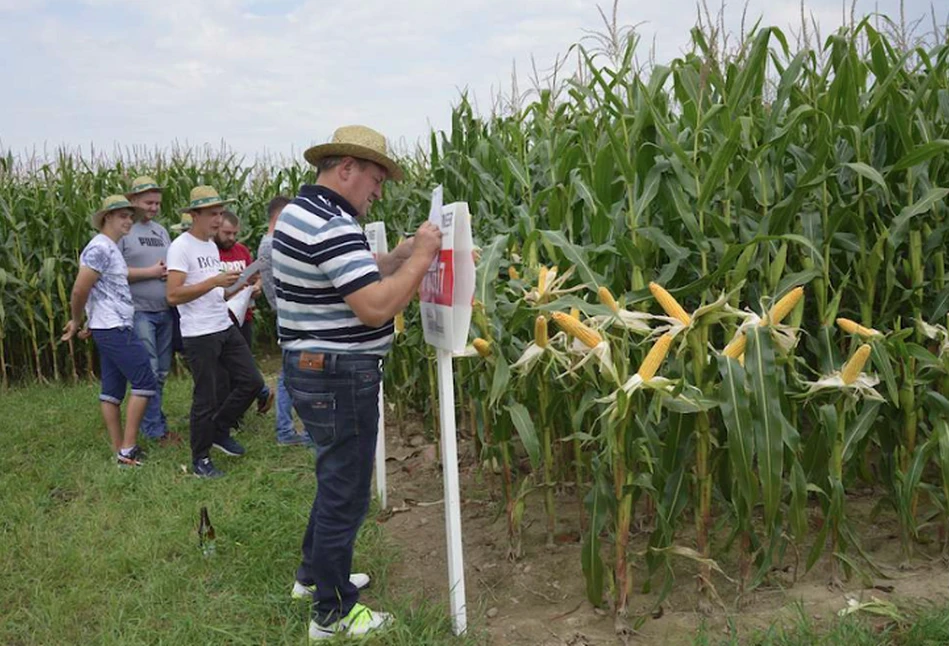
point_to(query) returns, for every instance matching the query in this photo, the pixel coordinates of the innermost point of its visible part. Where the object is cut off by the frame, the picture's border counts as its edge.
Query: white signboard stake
(376, 235)
(456, 562)
(446, 294)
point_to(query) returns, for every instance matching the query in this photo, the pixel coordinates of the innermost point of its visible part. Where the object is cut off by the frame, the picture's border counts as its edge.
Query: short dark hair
(332, 161)
(231, 218)
(276, 205)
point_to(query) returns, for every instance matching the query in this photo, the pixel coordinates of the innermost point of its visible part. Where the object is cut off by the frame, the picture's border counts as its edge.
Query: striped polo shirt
(320, 254)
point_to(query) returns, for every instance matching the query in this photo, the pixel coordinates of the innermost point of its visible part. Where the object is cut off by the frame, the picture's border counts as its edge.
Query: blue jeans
(337, 397)
(122, 361)
(284, 406)
(155, 330)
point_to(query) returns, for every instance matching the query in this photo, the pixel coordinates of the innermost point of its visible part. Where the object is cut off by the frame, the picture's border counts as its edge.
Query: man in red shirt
(235, 256)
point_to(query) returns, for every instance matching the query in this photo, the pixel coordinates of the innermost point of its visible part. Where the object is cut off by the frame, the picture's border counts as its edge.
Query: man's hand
(158, 270)
(428, 241)
(226, 278)
(71, 329)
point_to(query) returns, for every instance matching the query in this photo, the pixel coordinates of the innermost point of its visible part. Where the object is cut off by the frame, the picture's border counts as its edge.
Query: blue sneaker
(230, 447)
(294, 439)
(204, 468)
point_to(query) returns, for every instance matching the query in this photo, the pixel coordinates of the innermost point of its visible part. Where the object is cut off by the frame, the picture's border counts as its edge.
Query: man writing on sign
(335, 305)
(212, 343)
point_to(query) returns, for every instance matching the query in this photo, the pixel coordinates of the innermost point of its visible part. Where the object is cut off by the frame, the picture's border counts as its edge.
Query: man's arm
(377, 303)
(85, 281)
(178, 294)
(390, 262)
(157, 270)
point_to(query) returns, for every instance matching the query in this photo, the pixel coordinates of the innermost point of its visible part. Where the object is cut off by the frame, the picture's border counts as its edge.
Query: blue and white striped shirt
(320, 255)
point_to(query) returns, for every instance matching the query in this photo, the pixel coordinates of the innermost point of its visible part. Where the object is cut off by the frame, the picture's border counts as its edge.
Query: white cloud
(281, 74)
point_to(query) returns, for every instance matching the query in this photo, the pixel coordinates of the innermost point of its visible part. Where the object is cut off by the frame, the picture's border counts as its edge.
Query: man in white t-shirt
(212, 343)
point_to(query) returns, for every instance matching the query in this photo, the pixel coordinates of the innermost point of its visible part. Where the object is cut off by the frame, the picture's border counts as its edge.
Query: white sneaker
(360, 621)
(301, 591)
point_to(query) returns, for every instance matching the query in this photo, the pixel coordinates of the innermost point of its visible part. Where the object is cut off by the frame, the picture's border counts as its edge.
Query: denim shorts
(123, 359)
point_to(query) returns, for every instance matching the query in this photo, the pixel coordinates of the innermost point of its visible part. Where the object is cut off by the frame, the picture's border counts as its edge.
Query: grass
(91, 554)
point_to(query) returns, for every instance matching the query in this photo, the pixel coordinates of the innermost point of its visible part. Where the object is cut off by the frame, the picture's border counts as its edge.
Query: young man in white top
(212, 343)
(102, 291)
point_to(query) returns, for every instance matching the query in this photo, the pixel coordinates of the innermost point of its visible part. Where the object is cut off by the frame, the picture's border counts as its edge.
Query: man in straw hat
(102, 291)
(212, 343)
(144, 249)
(335, 306)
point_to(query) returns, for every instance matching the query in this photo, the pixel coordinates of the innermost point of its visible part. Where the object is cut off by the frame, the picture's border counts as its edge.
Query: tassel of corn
(853, 367)
(852, 327)
(655, 357)
(512, 273)
(784, 306)
(399, 323)
(736, 347)
(606, 298)
(483, 347)
(669, 304)
(540, 331)
(583, 333)
(542, 281)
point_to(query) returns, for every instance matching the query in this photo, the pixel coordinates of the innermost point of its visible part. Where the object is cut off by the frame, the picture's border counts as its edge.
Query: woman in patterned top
(102, 291)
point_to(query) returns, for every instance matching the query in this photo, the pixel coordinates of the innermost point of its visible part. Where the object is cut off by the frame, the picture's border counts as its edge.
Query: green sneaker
(359, 622)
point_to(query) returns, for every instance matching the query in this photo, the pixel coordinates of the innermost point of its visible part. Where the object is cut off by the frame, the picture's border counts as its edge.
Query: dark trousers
(338, 403)
(207, 355)
(224, 380)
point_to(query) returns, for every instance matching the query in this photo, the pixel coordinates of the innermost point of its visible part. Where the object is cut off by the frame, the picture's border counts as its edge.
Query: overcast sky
(273, 76)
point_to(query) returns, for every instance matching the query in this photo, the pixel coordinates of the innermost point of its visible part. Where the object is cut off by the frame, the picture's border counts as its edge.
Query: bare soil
(539, 599)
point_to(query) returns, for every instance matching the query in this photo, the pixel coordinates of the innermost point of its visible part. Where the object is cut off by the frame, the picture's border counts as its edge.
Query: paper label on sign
(435, 212)
(448, 287)
(376, 235)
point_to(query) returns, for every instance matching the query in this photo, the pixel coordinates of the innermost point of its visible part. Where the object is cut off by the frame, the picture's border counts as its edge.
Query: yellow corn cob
(540, 331)
(585, 334)
(784, 306)
(512, 272)
(853, 367)
(736, 347)
(483, 347)
(669, 304)
(575, 313)
(852, 327)
(542, 281)
(606, 298)
(656, 355)
(399, 323)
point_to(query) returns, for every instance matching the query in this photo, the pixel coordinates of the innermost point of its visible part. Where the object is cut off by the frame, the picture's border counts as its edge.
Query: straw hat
(143, 184)
(360, 142)
(184, 224)
(203, 197)
(110, 204)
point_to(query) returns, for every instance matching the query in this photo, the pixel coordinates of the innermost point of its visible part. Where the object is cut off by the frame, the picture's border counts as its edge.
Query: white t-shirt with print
(110, 301)
(199, 261)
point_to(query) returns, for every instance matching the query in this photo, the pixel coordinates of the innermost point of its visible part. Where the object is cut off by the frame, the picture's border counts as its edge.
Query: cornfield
(712, 298)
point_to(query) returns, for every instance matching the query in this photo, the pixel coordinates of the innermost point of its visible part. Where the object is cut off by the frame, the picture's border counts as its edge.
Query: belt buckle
(312, 360)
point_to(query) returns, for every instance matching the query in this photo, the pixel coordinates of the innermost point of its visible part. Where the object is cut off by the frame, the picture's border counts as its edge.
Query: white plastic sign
(378, 245)
(448, 287)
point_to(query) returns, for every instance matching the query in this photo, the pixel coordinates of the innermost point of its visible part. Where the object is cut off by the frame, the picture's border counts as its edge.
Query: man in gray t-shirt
(286, 434)
(144, 250)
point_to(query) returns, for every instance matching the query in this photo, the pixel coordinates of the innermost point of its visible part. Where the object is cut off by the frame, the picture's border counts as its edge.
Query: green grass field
(91, 554)
(94, 554)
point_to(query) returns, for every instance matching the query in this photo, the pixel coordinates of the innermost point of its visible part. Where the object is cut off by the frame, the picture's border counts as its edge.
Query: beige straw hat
(360, 142)
(110, 204)
(143, 184)
(203, 197)
(184, 224)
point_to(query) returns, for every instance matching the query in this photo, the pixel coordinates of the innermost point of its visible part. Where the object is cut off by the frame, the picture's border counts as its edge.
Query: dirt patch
(540, 598)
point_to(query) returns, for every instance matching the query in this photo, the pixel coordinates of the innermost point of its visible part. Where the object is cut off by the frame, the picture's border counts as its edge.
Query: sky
(271, 77)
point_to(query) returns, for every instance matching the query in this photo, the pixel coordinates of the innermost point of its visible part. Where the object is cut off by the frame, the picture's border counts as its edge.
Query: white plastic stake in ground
(456, 562)
(381, 451)
(378, 245)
